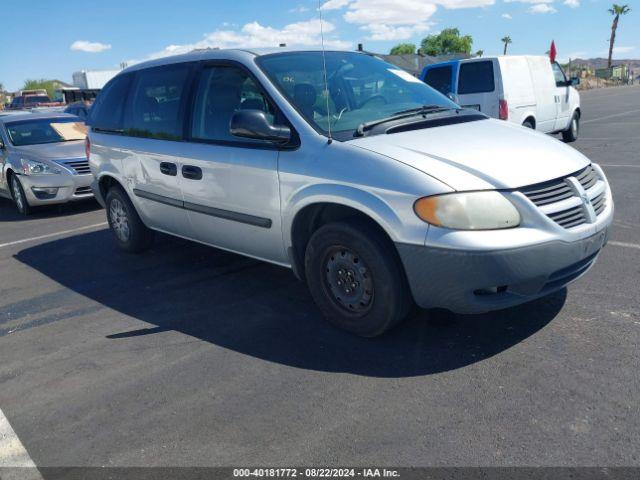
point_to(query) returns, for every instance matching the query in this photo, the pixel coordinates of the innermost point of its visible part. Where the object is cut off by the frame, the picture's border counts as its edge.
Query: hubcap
(17, 193)
(119, 220)
(348, 280)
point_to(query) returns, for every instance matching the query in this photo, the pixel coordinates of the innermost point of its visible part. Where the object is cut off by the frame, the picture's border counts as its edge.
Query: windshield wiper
(412, 112)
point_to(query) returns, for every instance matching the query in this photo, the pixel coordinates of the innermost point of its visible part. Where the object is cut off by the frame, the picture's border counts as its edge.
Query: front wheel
(130, 233)
(571, 134)
(356, 278)
(19, 197)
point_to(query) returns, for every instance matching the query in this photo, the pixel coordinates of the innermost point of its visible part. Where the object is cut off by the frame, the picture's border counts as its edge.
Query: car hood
(54, 151)
(480, 155)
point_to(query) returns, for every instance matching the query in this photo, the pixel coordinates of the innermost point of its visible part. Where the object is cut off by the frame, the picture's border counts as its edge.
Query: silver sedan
(43, 160)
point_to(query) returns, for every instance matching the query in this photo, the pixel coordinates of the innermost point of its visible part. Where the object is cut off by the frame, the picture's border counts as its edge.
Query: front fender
(411, 230)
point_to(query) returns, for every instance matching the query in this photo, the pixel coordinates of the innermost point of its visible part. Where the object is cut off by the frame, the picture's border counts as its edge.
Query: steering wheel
(377, 96)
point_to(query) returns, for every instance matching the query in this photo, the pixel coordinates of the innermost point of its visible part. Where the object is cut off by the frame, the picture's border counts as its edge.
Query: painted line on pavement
(625, 245)
(50, 235)
(13, 455)
(609, 116)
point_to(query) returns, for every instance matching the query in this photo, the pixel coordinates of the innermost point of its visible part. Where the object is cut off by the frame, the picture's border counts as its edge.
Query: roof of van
(227, 54)
(475, 59)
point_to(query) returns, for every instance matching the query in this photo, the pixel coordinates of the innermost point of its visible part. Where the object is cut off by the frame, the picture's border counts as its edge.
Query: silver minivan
(372, 187)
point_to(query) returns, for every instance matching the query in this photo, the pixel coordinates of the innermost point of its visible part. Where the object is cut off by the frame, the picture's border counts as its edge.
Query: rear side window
(440, 79)
(155, 107)
(108, 109)
(476, 77)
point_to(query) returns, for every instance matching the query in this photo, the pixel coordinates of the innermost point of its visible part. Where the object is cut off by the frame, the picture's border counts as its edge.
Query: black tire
(528, 123)
(571, 134)
(357, 254)
(19, 198)
(130, 233)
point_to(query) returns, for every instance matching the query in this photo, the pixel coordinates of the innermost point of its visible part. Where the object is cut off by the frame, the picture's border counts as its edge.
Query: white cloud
(335, 4)
(623, 49)
(299, 9)
(572, 3)
(89, 47)
(507, 16)
(541, 8)
(529, 1)
(397, 19)
(255, 35)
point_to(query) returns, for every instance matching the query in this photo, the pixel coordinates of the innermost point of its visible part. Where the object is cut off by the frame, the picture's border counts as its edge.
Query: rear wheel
(130, 233)
(19, 197)
(528, 123)
(356, 279)
(571, 134)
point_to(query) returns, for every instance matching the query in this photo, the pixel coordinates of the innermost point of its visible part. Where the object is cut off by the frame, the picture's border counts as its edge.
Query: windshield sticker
(405, 75)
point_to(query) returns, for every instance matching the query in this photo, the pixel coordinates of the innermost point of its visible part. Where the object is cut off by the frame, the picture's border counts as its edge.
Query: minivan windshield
(51, 130)
(362, 89)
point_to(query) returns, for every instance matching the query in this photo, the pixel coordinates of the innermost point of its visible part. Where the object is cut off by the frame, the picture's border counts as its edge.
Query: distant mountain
(602, 62)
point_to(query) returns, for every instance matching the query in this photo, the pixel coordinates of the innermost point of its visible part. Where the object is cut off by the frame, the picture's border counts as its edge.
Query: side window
(558, 74)
(440, 79)
(476, 77)
(108, 109)
(221, 92)
(154, 108)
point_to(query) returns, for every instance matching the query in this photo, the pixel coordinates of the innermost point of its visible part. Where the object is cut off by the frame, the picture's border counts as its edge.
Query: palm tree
(616, 11)
(506, 40)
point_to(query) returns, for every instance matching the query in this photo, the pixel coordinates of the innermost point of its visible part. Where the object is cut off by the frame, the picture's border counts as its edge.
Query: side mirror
(574, 81)
(255, 124)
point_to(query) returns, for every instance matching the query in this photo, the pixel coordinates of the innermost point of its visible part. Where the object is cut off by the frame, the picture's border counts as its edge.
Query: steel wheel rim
(574, 127)
(119, 220)
(17, 194)
(348, 281)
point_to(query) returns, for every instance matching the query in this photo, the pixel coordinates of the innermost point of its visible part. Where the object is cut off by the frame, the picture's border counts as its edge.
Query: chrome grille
(80, 166)
(570, 217)
(568, 213)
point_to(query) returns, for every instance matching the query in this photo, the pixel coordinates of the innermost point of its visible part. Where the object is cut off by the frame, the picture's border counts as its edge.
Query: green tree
(616, 11)
(447, 42)
(48, 85)
(507, 41)
(403, 49)
(479, 53)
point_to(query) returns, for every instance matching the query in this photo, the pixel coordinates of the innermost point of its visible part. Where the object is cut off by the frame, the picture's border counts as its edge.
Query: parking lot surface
(190, 356)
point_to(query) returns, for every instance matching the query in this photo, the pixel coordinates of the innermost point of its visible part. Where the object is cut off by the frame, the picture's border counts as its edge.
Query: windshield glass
(53, 130)
(362, 89)
(30, 100)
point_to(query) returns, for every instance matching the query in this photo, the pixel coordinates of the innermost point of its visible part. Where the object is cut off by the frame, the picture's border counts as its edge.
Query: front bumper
(70, 188)
(477, 282)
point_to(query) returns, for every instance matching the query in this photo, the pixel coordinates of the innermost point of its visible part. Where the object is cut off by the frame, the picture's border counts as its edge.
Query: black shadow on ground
(261, 310)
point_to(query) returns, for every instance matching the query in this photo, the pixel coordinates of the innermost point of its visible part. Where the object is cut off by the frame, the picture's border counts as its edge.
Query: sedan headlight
(488, 210)
(31, 167)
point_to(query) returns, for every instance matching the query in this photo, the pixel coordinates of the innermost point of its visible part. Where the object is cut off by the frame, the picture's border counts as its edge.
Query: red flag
(552, 52)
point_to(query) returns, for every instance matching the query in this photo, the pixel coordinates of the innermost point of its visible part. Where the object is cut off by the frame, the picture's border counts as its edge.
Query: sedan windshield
(362, 89)
(51, 130)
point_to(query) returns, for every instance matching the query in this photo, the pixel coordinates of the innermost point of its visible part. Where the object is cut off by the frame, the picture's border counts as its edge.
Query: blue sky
(54, 41)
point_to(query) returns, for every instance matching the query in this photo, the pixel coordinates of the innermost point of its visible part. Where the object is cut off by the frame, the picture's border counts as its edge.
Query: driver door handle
(192, 172)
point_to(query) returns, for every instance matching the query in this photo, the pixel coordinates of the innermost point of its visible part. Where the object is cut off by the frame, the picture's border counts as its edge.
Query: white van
(524, 89)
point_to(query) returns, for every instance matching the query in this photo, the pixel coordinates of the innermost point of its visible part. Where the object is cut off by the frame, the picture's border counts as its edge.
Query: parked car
(43, 160)
(379, 194)
(526, 90)
(79, 109)
(27, 101)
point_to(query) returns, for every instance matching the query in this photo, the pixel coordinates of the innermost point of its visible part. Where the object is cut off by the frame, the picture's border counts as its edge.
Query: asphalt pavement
(190, 356)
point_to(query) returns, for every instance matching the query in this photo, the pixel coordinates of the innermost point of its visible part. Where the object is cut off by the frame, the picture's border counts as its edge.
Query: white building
(93, 79)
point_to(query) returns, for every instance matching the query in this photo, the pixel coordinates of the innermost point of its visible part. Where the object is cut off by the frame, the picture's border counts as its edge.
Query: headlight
(31, 167)
(468, 211)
